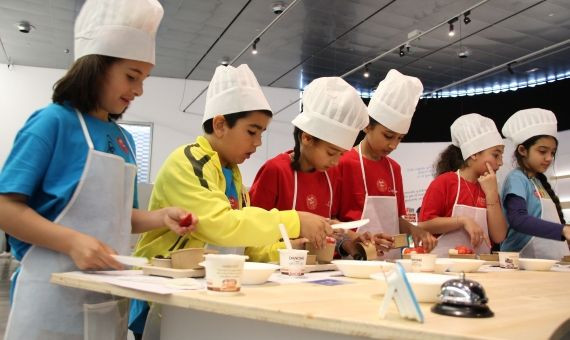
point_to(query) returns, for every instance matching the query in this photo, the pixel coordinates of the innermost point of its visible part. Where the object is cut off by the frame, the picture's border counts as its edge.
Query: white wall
(26, 89)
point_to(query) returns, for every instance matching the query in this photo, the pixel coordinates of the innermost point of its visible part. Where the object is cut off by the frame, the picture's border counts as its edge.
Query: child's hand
(299, 243)
(488, 182)
(423, 238)
(88, 252)
(475, 232)
(314, 228)
(179, 220)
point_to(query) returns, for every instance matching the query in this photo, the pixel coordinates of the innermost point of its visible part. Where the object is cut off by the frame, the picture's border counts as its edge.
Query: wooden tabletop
(527, 305)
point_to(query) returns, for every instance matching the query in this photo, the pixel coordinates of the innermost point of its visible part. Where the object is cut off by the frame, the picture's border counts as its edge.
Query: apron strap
(364, 173)
(294, 190)
(84, 128)
(458, 187)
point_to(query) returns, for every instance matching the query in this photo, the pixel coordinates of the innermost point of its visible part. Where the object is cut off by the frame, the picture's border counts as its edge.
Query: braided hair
(540, 176)
(295, 164)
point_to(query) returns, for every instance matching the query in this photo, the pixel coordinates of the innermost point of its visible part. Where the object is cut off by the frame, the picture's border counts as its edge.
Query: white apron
(101, 206)
(382, 211)
(544, 248)
(330, 192)
(460, 237)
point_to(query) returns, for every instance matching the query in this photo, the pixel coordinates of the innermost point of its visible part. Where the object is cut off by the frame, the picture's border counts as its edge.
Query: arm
(143, 221)
(521, 221)
(496, 222)
(22, 222)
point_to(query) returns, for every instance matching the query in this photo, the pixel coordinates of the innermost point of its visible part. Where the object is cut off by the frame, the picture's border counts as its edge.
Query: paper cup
(187, 258)
(423, 262)
(223, 273)
(366, 252)
(293, 261)
(509, 260)
(325, 254)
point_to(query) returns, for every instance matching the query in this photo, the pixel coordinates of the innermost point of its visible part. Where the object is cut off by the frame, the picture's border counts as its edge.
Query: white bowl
(362, 269)
(464, 265)
(426, 286)
(256, 273)
(536, 264)
(441, 265)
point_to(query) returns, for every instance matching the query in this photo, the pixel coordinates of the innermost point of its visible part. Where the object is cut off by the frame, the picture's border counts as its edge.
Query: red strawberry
(186, 220)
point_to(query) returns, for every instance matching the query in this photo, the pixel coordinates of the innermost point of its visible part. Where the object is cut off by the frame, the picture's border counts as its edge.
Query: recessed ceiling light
(534, 69)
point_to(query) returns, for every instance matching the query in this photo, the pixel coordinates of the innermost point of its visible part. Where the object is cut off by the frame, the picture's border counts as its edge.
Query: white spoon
(285, 236)
(350, 225)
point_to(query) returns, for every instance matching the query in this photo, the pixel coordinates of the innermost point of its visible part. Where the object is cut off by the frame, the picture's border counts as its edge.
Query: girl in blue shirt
(537, 228)
(67, 187)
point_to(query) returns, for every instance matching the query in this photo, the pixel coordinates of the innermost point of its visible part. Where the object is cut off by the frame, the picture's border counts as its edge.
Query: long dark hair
(449, 159)
(81, 85)
(540, 176)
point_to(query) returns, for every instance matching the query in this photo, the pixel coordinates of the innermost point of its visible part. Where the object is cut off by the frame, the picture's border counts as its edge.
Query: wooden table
(527, 305)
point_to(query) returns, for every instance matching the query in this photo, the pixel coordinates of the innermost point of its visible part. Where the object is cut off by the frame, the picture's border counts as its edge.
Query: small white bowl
(464, 265)
(256, 273)
(536, 264)
(426, 286)
(362, 269)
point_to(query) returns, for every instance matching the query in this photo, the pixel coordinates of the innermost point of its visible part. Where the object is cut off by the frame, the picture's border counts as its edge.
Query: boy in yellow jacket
(204, 178)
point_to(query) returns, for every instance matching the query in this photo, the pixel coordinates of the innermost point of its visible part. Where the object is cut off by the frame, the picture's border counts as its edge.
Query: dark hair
(81, 85)
(540, 176)
(362, 134)
(232, 119)
(449, 159)
(297, 149)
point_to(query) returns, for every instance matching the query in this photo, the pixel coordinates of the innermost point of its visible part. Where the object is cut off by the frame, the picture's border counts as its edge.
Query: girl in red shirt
(462, 203)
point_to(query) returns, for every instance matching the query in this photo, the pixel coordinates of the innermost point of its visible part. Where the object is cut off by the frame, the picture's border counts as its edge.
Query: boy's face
(239, 142)
(382, 140)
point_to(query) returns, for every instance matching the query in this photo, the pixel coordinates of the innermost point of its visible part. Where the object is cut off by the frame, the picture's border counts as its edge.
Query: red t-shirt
(440, 196)
(378, 179)
(274, 184)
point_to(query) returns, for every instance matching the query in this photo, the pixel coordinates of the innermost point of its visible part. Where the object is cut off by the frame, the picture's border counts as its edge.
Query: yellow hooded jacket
(192, 178)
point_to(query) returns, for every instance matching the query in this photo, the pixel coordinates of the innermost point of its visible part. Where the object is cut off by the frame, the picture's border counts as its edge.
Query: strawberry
(186, 220)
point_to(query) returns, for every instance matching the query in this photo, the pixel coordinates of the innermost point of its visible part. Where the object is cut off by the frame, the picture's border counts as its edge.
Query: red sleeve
(433, 203)
(263, 191)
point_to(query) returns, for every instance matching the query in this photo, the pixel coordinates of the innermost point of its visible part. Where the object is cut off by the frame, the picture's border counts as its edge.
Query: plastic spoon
(285, 236)
(350, 225)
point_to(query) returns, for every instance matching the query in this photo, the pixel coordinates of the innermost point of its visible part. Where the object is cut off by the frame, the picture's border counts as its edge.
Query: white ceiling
(320, 38)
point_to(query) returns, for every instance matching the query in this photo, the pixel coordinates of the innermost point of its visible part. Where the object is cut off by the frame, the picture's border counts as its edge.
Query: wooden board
(173, 273)
(527, 305)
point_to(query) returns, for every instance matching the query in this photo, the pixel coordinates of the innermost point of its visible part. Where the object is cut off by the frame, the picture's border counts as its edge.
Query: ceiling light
(366, 73)
(254, 46)
(451, 29)
(466, 19)
(25, 26)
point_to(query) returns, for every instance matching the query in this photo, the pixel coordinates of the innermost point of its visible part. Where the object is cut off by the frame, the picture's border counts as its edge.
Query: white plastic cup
(223, 273)
(423, 262)
(293, 261)
(509, 260)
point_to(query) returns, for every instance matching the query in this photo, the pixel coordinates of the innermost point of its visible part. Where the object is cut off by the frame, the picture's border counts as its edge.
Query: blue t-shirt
(519, 184)
(48, 157)
(231, 191)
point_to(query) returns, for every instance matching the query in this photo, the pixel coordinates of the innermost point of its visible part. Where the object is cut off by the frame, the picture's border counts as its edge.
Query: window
(142, 134)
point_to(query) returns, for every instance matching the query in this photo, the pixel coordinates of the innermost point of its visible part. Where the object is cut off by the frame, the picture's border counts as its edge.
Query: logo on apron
(381, 185)
(312, 202)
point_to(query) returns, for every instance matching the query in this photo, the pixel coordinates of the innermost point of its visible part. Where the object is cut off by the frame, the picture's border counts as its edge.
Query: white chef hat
(332, 111)
(394, 102)
(473, 133)
(232, 90)
(528, 123)
(118, 28)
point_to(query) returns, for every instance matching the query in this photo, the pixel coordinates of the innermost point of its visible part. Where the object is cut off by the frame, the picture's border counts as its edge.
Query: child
(301, 179)
(462, 202)
(67, 187)
(204, 177)
(536, 225)
(371, 181)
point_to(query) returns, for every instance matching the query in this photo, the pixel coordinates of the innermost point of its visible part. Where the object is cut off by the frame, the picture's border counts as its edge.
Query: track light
(254, 46)
(466, 19)
(451, 29)
(366, 73)
(402, 52)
